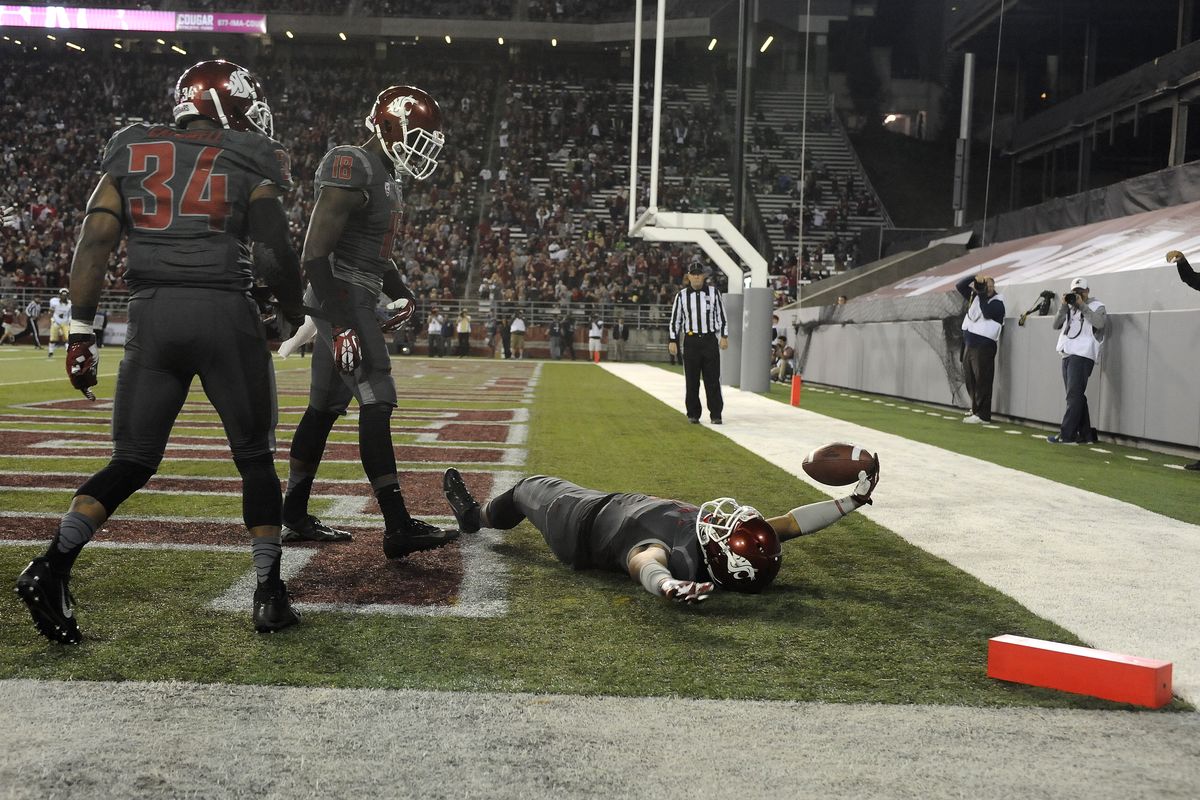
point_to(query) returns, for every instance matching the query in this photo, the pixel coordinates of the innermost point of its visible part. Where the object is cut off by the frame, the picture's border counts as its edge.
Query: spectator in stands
(981, 328)
(1081, 320)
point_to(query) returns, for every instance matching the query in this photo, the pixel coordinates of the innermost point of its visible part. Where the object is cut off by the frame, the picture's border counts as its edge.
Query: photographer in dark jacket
(1192, 279)
(981, 330)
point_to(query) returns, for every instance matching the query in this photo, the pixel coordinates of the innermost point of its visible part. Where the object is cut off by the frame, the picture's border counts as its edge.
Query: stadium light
(179, 50)
(889, 119)
(712, 45)
(7, 39)
(448, 40)
(499, 40)
(118, 45)
(766, 44)
(17, 41)
(554, 42)
(160, 41)
(342, 36)
(51, 37)
(289, 34)
(74, 46)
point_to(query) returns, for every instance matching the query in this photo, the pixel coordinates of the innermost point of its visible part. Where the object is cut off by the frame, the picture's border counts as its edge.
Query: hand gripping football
(838, 464)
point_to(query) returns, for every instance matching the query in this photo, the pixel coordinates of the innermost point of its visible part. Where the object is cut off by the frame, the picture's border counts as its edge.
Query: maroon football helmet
(408, 123)
(742, 552)
(224, 93)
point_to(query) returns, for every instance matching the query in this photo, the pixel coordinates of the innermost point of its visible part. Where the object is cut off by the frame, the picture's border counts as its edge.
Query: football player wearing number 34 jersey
(348, 261)
(187, 197)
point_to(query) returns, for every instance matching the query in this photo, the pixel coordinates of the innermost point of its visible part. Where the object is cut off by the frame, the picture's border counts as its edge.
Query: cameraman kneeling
(1081, 320)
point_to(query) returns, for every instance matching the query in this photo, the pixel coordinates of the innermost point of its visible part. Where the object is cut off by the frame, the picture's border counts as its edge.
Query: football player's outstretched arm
(809, 519)
(268, 225)
(648, 566)
(100, 235)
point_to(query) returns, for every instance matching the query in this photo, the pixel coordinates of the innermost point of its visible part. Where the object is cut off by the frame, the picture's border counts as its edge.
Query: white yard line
(1120, 577)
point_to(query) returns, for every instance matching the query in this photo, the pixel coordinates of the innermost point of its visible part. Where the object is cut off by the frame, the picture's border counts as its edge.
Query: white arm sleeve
(816, 516)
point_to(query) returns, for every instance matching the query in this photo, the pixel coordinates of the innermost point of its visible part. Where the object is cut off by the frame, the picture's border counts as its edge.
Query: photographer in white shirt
(1081, 321)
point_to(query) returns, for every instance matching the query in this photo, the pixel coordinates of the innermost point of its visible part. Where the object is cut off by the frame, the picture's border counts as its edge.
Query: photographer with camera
(1192, 279)
(1081, 320)
(981, 330)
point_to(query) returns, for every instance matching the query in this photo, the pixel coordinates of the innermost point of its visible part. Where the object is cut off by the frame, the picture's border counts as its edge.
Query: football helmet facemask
(408, 123)
(742, 552)
(225, 93)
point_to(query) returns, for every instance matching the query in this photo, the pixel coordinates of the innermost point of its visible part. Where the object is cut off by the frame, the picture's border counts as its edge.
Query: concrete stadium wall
(1145, 386)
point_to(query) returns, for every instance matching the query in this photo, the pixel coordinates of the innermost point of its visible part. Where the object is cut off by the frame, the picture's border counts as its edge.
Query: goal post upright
(746, 363)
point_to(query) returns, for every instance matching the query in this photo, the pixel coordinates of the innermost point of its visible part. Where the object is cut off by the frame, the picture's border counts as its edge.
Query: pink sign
(121, 19)
(94, 19)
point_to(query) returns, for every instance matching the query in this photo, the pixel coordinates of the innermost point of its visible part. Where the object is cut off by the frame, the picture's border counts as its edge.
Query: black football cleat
(418, 535)
(49, 600)
(311, 529)
(273, 609)
(466, 508)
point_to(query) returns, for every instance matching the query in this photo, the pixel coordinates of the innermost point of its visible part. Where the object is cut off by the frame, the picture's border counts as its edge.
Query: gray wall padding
(1146, 384)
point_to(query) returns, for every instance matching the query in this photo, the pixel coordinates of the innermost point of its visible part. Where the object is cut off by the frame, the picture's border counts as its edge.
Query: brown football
(837, 464)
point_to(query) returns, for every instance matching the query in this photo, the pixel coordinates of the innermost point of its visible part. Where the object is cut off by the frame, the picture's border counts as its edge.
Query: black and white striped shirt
(33, 310)
(698, 312)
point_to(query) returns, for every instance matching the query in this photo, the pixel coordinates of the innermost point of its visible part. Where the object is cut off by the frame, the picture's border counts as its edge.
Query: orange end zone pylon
(1080, 670)
(797, 385)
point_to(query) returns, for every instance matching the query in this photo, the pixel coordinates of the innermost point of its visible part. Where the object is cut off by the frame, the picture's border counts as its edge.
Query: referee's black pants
(702, 358)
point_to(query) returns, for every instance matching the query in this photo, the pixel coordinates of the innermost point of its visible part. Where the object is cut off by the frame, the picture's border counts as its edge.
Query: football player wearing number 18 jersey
(348, 261)
(188, 197)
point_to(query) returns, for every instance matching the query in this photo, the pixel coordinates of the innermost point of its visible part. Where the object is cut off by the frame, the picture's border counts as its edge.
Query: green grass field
(856, 615)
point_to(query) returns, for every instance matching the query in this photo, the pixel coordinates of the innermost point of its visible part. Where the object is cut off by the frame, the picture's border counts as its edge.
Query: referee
(33, 313)
(698, 318)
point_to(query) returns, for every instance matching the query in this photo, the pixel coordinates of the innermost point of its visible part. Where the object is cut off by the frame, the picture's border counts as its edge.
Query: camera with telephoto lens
(1069, 298)
(981, 288)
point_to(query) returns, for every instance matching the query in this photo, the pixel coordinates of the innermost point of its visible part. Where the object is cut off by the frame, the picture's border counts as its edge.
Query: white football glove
(866, 483)
(686, 591)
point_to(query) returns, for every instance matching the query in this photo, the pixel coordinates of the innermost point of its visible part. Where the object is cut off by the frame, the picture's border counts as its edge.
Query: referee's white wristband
(79, 326)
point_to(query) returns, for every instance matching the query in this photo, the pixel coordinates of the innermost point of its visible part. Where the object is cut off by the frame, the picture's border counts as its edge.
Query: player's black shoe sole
(311, 529)
(273, 608)
(49, 601)
(418, 536)
(465, 507)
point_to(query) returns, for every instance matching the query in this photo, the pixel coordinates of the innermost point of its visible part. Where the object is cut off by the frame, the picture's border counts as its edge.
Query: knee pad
(375, 440)
(262, 499)
(308, 443)
(114, 484)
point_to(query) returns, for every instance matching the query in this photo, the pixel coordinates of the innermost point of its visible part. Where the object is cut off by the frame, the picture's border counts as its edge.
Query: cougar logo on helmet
(240, 86)
(399, 107)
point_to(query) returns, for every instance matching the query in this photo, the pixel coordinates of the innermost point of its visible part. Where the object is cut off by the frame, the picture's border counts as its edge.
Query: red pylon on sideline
(797, 385)
(597, 356)
(1080, 670)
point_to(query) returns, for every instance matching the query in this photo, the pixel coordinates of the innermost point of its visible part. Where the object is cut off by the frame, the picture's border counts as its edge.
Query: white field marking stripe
(169, 476)
(81, 444)
(1142, 561)
(104, 544)
(358, 521)
(413, 437)
(334, 500)
(403, 466)
(482, 593)
(58, 422)
(63, 379)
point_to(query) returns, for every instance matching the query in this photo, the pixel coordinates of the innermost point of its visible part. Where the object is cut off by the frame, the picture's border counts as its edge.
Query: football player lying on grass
(674, 549)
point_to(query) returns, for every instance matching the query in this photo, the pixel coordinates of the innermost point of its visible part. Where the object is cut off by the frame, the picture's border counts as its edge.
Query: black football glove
(83, 362)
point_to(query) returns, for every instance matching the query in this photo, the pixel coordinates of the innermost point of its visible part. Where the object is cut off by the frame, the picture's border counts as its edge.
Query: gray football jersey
(364, 252)
(186, 195)
(628, 520)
